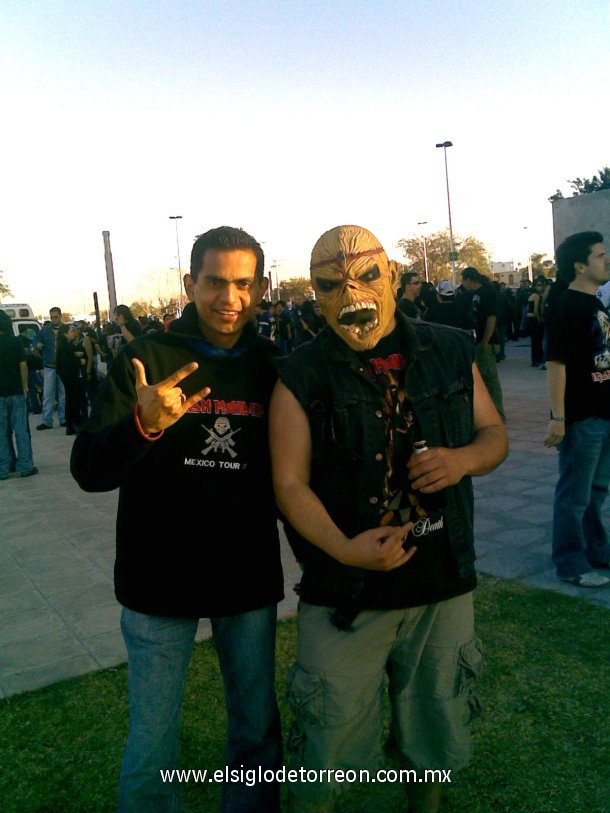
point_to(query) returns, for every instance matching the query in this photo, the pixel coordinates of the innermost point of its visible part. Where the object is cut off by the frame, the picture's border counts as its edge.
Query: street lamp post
(274, 267)
(176, 218)
(452, 255)
(423, 223)
(530, 272)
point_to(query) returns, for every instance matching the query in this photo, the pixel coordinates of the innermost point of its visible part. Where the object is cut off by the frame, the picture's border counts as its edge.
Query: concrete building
(589, 212)
(505, 272)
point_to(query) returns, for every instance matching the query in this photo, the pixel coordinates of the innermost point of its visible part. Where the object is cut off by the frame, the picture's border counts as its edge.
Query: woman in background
(535, 327)
(130, 327)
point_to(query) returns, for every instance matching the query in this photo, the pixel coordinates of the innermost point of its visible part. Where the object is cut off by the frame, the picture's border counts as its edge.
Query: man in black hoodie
(180, 427)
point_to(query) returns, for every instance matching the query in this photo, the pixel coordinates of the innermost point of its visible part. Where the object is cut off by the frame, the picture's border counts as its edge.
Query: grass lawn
(542, 743)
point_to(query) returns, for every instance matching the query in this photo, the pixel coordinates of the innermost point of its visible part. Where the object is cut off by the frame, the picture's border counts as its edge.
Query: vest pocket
(334, 429)
(457, 414)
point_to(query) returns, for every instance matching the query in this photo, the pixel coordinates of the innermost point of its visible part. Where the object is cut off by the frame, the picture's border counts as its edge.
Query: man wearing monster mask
(377, 426)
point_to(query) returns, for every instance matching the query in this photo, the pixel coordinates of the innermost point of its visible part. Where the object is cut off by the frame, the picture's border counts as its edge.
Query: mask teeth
(359, 331)
(357, 306)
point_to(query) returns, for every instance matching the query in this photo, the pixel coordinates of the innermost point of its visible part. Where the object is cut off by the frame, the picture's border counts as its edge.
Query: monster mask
(354, 283)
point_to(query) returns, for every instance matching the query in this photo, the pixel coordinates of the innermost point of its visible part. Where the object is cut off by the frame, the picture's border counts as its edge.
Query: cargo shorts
(427, 658)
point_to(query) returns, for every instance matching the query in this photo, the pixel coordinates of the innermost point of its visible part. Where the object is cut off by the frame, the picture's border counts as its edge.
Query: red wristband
(151, 438)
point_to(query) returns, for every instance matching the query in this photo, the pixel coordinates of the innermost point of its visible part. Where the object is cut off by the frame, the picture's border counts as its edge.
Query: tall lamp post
(424, 223)
(274, 267)
(530, 271)
(452, 254)
(176, 218)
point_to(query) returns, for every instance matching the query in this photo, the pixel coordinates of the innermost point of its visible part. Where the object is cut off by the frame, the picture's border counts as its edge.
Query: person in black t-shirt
(13, 405)
(482, 307)
(534, 321)
(130, 327)
(35, 368)
(446, 311)
(578, 375)
(408, 301)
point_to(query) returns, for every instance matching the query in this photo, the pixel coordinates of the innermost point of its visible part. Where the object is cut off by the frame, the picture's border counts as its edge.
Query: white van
(21, 314)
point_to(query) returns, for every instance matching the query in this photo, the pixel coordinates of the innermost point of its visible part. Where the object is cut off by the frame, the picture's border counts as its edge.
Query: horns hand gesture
(161, 405)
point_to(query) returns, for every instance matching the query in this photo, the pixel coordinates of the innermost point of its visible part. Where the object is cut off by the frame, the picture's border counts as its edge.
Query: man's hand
(161, 405)
(435, 469)
(378, 548)
(555, 433)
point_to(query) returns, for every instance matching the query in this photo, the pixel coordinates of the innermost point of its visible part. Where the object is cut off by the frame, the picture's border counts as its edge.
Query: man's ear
(189, 284)
(395, 271)
(264, 283)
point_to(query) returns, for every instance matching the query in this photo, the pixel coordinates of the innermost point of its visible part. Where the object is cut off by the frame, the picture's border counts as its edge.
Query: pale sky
(287, 119)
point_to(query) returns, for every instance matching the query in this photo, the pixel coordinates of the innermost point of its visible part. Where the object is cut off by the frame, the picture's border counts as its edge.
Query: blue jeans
(14, 418)
(53, 390)
(159, 652)
(579, 536)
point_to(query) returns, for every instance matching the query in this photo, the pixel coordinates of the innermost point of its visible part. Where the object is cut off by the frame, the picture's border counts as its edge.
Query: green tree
(140, 308)
(584, 186)
(295, 286)
(557, 195)
(4, 288)
(165, 305)
(541, 266)
(470, 251)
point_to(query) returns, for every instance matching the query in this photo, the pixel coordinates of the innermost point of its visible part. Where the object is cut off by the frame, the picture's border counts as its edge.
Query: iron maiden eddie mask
(354, 283)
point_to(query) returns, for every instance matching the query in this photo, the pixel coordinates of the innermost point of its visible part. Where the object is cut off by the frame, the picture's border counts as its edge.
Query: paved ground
(59, 616)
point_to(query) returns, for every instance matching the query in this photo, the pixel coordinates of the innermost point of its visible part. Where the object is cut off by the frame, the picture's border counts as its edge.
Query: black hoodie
(196, 530)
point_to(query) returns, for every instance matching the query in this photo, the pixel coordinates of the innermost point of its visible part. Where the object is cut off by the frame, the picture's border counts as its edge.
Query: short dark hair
(55, 310)
(574, 249)
(226, 238)
(407, 277)
(281, 302)
(474, 275)
(123, 310)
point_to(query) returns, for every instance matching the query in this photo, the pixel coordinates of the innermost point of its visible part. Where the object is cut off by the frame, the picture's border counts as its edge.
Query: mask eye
(371, 275)
(326, 285)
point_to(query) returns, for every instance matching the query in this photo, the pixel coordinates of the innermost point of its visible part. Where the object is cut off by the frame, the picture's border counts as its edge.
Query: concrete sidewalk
(60, 618)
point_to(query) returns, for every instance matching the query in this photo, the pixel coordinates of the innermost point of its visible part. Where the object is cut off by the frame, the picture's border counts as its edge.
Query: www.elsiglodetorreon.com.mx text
(252, 776)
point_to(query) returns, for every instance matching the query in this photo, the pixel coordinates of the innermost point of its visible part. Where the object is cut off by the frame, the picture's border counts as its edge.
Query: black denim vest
(345, 408)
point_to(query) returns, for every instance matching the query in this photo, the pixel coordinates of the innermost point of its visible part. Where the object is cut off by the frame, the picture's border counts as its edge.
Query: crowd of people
(358, 419)
(519, 313)
(491, 311)
(66, 361)
(62, 366)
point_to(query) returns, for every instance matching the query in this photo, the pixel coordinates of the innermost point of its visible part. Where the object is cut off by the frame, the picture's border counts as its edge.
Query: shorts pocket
(470, 667)
(306, 698)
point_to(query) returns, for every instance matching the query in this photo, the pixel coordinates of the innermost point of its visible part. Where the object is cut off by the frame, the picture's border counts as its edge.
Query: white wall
(590, 212)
